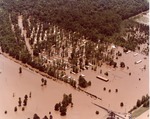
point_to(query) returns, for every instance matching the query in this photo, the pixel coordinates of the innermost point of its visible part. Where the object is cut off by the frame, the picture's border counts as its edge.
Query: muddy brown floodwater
(43, 98)
(130, 88)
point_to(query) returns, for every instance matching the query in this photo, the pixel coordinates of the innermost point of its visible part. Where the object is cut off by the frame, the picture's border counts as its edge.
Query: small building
(128, 52)
(113, 46)
(135, 54)
(102, 78)
(82, 75)
(139, 61)
(72, 72)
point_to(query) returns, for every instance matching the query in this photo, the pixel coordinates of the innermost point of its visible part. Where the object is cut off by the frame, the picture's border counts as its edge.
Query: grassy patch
(139, 111)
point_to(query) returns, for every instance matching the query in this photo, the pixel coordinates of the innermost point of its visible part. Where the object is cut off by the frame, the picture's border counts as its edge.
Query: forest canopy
(95, 19)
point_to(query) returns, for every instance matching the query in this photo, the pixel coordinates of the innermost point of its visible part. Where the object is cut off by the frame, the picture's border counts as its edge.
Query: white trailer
(139, 61)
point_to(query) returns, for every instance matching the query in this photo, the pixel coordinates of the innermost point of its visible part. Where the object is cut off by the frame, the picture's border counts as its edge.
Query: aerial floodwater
(122, 85)
(14, 85)
(74, 59)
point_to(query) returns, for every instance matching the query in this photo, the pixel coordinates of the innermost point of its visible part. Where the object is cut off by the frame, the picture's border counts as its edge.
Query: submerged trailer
(135, 54)
(82, 75)
(128, 52)
(139, 61)
(102, 78)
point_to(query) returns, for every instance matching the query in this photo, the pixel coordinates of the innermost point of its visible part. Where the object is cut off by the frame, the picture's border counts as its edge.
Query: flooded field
(131, 83)
(130, 88)
(43, 99)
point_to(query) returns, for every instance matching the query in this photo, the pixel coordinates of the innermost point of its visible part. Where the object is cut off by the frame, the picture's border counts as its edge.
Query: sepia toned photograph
(74, 59)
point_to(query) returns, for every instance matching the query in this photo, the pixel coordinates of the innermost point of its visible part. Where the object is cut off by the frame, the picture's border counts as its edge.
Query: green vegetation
(20, 70)
(83, 83)
(97, 112)
(11, 41)
(138, 104)
(81, 16)
(106, 73)
(134, 34)
(44, 82)
(144, 102)
(121, 104)
(58, 27)
(36, 116)
(15, 109)
(66, 23)
(5, 112)
(112, 63)
(23, 108)
(19, 102)
(62, 106)
(122, 64)
(104, 88)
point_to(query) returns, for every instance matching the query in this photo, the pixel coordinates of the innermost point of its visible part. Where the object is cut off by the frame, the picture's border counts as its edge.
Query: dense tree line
(95, 19)
(11, 41)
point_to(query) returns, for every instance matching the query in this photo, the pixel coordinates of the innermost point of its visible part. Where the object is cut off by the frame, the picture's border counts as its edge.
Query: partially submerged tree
(20, 70)
(122, 64)
(83, 83)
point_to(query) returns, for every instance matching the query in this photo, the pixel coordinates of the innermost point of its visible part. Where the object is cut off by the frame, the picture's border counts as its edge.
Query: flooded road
(23, 33)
